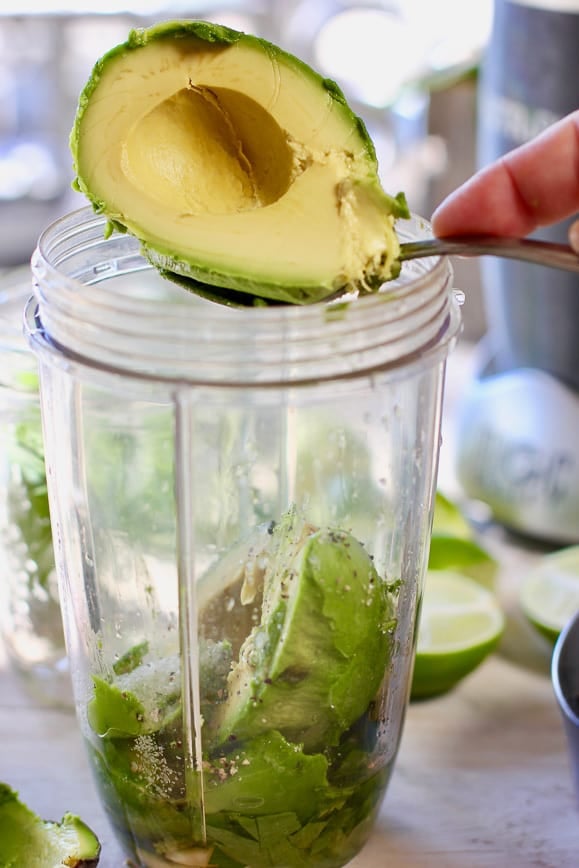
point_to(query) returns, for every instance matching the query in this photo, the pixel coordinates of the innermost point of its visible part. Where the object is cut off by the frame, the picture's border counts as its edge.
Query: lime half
(460, 624)
(449, 519)
(550, 593)
(454, 546)
(463, 556)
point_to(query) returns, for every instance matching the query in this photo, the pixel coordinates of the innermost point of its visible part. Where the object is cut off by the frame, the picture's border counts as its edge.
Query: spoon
(528, 249)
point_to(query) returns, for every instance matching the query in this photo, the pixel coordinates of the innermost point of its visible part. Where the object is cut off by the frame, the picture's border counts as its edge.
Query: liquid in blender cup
(242, 502)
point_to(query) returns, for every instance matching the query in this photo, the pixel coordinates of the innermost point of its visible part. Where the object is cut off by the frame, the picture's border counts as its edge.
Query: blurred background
(409, 67)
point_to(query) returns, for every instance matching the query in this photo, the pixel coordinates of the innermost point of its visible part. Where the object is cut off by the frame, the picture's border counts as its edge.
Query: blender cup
(242, 502)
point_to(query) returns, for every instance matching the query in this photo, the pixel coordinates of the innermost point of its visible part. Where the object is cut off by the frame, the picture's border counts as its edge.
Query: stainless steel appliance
(519, 432)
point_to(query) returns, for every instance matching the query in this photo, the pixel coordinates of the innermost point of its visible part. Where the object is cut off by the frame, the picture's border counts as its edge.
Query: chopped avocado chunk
(315, 661)
(26, 840)
(235, 164)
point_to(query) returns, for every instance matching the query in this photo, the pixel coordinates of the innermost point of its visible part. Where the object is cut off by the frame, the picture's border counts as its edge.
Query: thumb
(574, 236)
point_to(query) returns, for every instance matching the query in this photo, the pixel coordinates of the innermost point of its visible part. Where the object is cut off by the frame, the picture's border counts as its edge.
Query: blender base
(518, 450)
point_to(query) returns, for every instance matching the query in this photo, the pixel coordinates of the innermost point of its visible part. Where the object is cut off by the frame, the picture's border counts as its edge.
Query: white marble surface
(482, 777)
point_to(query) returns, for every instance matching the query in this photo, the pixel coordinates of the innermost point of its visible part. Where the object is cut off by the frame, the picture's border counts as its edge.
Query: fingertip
(442, 216)
(439, 219)
(450, 215)
(462, 211)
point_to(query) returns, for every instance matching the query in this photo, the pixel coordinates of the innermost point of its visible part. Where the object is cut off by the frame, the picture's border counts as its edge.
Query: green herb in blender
(27, 497)
(288, 724)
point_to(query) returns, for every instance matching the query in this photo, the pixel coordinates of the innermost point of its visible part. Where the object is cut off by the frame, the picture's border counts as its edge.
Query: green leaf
(268, 775)
(133, 658)
(236, 846)
(272, 827)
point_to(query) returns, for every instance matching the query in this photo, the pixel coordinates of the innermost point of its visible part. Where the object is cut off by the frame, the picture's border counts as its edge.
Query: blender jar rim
(186, 339)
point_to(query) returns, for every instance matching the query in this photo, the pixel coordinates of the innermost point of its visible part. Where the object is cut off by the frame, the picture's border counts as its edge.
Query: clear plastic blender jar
(241, 503)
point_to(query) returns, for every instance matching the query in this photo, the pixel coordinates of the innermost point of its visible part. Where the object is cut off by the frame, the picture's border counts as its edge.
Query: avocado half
(235, 164)
(26, 840)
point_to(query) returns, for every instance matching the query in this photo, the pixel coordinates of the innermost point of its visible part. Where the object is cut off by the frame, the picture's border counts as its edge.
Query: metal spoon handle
(527, 249)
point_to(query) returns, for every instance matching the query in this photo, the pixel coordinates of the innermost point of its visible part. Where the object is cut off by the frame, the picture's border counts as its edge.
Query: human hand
(534, 185)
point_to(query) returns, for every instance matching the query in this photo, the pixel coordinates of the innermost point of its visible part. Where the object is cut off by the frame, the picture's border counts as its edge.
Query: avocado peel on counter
(27, 840)
(236, 165)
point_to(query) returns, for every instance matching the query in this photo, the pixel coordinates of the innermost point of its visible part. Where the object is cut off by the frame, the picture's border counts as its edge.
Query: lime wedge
(454, 546)
(449, 519)
(460, 624)
(550, 593)
(463, 556)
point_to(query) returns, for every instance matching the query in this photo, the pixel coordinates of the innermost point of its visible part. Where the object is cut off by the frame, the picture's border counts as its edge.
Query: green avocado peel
(27, 841)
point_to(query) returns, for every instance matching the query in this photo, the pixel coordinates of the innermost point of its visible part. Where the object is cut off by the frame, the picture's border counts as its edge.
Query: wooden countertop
(482, 778)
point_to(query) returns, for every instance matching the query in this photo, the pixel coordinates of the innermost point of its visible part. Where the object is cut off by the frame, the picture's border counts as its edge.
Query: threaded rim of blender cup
(82, 311)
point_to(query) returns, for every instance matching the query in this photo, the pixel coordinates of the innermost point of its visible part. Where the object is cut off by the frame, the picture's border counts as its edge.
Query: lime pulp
(460, 624)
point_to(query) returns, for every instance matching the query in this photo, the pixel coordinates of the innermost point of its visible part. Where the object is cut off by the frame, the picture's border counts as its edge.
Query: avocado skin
(316, 660)
(26, 840)
(219, 295)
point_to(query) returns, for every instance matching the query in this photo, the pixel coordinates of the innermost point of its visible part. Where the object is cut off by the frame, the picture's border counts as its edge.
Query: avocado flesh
(26, 840)
(235, 164)
(316, 660)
